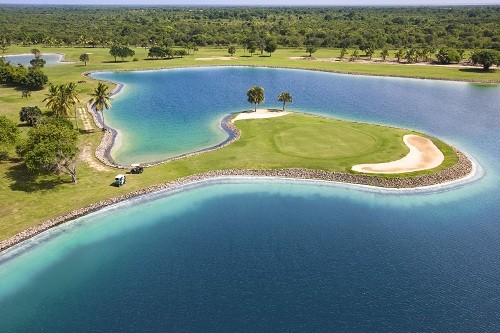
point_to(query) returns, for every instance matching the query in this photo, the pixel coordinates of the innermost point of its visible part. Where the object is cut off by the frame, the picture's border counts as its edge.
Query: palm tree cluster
(61, 98)
(256, 96)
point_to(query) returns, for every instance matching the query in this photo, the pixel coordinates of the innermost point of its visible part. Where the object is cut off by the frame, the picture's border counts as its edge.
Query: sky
(259, 2)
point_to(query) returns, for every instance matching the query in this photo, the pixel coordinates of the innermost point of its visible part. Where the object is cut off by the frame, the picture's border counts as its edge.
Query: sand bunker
(423, 155)
(259, 114)
(216, 58)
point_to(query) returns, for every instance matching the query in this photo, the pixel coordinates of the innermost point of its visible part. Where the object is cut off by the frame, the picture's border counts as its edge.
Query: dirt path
(86, 156)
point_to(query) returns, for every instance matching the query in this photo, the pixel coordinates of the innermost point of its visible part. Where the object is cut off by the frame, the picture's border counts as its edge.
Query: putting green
(299, 140)
(326, 141)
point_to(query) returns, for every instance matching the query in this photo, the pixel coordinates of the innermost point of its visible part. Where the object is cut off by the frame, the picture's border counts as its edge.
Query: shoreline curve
(463, 172)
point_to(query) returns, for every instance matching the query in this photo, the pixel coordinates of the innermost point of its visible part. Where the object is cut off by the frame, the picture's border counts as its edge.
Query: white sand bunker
(259, 114)
(423, 155)
(216, 58)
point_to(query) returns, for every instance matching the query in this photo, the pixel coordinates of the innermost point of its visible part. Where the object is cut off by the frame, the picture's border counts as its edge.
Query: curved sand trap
(259, 114)
(423, 155)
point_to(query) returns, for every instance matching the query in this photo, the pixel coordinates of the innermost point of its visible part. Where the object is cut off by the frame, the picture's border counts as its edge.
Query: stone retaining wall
(462, 169)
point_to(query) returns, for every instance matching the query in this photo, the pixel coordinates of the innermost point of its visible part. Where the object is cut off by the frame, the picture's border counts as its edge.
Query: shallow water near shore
(160, 114)
(261, 255)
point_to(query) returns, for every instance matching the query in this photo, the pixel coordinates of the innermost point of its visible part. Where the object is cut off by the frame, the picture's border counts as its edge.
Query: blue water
(283, 256)
(165, 113)
(24, 59)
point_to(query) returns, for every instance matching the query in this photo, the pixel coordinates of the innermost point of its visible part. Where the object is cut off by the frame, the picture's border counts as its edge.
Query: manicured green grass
(292, 141)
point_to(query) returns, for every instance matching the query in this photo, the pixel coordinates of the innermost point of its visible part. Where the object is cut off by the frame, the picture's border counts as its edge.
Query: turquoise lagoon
(264, 255)
(24, 59)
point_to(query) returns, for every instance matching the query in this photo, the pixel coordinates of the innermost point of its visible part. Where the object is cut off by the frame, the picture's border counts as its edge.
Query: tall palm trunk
(103, 123)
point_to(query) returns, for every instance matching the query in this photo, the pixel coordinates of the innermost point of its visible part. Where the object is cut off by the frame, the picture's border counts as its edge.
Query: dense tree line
(369, 28)
(27, 77)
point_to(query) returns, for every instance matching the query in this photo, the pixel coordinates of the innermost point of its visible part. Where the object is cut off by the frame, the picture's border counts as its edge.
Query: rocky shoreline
(462, 169)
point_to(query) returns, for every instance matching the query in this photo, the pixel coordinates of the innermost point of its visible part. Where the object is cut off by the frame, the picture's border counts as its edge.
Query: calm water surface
(24, 59)
(280, 256)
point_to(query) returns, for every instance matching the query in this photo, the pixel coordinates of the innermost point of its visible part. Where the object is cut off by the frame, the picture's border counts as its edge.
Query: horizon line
(248, 5)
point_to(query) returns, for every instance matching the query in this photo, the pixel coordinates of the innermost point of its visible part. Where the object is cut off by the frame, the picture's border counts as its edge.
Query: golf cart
(136, 168)
(120, 180)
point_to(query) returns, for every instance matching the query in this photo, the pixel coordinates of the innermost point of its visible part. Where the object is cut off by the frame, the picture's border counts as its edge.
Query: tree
(255, 96)
(37, 63)
(84, 57)
(4, 44)
(52, 98)
(251, 47)
(156, 52)
(447, 56)
(271, 46)
(399, 54)
(100, 100)
(9, 136)
(51, 148)
(30, 115)
(231, 50)
(384, 54)
(70, 94)
(343, 52)
(121, 51)
(311, 49)
(34, 79)
(411, 55)
(487, 58)
(180, 53)
(36, 53)
(285, 97)
(354, 55)
(61, 99)
(114, 51)
(369, 51)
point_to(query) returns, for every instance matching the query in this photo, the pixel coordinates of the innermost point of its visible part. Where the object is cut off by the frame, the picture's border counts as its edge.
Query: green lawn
(286, 142)
(292, 141)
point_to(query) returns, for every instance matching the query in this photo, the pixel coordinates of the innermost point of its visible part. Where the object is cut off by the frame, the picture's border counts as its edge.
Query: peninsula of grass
(294, 141)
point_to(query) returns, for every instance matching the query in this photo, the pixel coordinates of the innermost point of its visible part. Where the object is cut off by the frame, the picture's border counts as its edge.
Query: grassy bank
(288, 142)
(264, 144)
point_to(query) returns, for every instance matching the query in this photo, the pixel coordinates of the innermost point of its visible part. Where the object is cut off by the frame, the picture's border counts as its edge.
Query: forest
(470, 27)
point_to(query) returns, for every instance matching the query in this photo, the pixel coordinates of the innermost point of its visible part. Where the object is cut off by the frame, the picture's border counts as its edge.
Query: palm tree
(61, 98)
(100, 100)
(384, 54)
(71, 97)
(84, 57)
(285, 97)
(52, 99)
(399, 54)
(255, 95)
